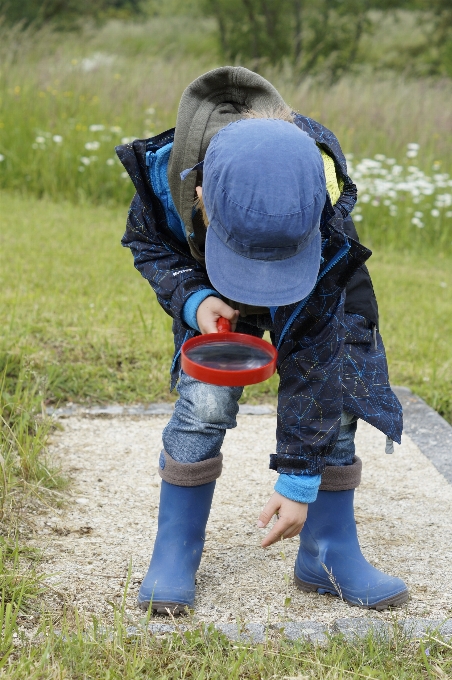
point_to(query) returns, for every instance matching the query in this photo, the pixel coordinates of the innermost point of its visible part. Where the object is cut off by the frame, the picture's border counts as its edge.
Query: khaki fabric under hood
(211, 102)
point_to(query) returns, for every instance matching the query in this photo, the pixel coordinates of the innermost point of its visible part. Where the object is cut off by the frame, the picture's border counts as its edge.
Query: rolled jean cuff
(189, 474)
(342, 477)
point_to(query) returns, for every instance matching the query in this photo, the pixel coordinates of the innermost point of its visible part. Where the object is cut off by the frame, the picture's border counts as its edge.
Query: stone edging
(313, 631)
(139, 410)
(431, 433)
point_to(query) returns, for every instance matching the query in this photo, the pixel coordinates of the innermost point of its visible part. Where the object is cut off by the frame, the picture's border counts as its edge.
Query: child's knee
(214, 405)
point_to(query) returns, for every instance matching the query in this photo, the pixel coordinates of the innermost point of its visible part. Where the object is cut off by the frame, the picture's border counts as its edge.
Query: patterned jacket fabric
(328, 360)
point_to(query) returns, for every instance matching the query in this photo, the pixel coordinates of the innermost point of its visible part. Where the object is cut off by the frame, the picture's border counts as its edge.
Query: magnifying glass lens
(228, 356)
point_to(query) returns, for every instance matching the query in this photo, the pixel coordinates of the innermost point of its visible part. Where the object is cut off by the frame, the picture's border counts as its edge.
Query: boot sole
(166, 608)
(393, 601)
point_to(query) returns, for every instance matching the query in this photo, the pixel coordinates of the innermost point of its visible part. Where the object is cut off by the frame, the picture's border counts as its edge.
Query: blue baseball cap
(264, 191)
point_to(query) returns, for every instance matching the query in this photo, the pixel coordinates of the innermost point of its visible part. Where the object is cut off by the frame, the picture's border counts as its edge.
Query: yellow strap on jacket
(333, 185)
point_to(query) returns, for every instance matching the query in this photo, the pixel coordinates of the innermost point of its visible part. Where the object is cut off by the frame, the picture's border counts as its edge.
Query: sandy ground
(403, 510)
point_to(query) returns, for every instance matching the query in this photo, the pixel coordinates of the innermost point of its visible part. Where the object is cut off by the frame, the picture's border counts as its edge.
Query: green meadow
(76, 311)
(78, 324)
(72, 306)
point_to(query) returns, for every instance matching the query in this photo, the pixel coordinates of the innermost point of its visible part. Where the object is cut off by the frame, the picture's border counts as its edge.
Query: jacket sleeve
(310, 397)
(173, 274)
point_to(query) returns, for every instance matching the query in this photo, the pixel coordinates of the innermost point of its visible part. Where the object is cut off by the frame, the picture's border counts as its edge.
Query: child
(243, 211)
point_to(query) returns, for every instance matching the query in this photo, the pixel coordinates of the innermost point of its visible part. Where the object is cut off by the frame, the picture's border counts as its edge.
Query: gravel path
(403, 510)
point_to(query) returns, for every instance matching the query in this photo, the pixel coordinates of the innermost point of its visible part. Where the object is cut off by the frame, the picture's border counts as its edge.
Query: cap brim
(262, 282)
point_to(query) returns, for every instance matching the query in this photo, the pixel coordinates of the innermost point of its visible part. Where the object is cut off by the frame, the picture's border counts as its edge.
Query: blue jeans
(204, 412)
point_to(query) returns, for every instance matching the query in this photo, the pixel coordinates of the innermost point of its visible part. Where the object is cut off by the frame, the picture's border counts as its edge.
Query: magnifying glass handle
(223, 325)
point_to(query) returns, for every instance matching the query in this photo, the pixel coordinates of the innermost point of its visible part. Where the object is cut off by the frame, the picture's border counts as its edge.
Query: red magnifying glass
(228, 359)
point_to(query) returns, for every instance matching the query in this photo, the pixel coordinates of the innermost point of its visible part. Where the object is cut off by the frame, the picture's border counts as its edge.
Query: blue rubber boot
(169, 585)
(329, 541)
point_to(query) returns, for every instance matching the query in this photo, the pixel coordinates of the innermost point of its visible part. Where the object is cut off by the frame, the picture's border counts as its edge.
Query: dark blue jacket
(330, 354)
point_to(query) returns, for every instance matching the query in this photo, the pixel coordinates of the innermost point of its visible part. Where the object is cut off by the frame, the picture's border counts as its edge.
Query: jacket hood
(208, 104)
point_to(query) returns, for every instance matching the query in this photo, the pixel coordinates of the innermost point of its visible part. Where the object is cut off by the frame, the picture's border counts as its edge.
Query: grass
(78, 651)
(74, 306)
(74, 309)
(414, 294)
(57, 86)
(78, 323)
(24, 432)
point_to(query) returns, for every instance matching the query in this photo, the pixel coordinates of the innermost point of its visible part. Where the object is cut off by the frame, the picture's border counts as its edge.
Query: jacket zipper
(339, 256)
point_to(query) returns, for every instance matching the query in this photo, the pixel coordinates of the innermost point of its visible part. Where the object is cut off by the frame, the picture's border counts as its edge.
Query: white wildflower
(379, 157)
(110, 161)
(40, 140)
(2, 158)
(449, 213)
(150, 111)
(411, 153)
(57, 139)
(370, 163)
(81, 168)
(418, 214)
(96, 128)
(124, 175)
(358, 218)
(435, 212)
(92, 146)
(443, 200)
(413, 146)
(97, 60)
(116, 129)
(417, 222)
(85, 160)
(128, 140)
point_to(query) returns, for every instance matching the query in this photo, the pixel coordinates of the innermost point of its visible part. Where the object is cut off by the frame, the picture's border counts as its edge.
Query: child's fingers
(227, 312)
(210, 310)
(291, 518)
(210, 324)
(281, 529)
(268, 511)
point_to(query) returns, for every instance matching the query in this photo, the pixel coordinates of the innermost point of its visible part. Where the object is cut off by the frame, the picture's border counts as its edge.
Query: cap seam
(258, 212)
(309, 238)
(256, 259)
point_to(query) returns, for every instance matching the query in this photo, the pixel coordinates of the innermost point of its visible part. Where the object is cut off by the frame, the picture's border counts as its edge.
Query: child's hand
(291, 517)
(210, 310)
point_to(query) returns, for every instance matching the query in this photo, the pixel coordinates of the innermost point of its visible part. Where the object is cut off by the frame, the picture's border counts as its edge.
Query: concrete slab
(403, 511)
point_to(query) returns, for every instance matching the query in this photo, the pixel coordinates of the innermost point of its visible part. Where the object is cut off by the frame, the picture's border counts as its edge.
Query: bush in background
(65, 13)
(316, 37)
(322, 37)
